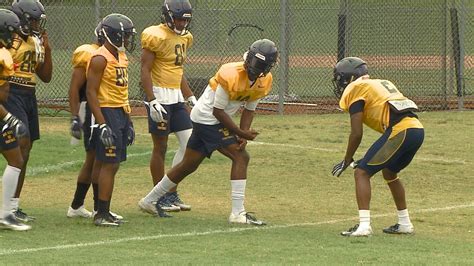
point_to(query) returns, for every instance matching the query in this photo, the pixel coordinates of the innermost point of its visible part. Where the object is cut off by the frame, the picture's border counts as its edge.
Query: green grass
(289, 186)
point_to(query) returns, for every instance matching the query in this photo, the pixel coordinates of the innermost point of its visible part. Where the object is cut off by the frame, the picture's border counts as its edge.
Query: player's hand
(340, 167)
(76, 127)
(45, 40)
(106, 135)
(130, 134)
(249, 134)
(192, 101)
(242, 143)
(16, 125)
(156, 111)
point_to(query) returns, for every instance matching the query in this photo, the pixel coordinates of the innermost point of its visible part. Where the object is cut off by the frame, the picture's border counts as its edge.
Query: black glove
(106, 135)
(76, 127)
(16, 125)
(340, 167)
(130, 134)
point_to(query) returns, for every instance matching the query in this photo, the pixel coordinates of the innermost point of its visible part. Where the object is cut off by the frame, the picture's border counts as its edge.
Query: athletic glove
(106, 135)
(192, 101)
(340, 167)
(76, 128)
(130, 134)
(16, 125)
(156, 111)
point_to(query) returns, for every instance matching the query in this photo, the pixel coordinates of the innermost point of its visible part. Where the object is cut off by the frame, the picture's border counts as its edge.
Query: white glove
(192, 101)
(156, 111)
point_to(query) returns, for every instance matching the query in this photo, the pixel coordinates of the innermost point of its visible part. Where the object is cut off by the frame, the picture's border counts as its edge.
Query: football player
(11, 127)
(31, 54)
(164, 52)
(213, 128)
(78, 105)
(107, 96)
(378, 104)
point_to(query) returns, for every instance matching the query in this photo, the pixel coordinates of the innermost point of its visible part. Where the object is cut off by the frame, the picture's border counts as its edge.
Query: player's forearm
(94, 106)
(4, 90)
(3, 112)
(45, 70)
(352, 146)
(246, 119)
(185, 89)
(147, 84)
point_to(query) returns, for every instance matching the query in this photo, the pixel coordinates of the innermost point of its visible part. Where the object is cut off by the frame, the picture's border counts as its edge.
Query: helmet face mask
(32, 16)
(99, 35)
(9, 26)
(346, 71)
(119, 31)
(260, 59)
(177, 15)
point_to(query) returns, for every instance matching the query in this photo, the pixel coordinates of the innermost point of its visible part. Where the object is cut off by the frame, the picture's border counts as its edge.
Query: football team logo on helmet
(119, 31)
(9, 24)
(346, 71)
(260, 58)
(32, 16)
(174, 10)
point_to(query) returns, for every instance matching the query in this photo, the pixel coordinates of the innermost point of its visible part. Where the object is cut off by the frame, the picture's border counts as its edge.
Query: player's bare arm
(227, 121)
(77, 80)
(45, 70)
(145, 74)
(94, 76)
(355, 137)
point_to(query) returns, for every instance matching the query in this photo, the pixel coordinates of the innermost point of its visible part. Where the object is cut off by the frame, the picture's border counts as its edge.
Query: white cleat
(11, 223)
(399, 229)
(79, 212)
(148, 207)
(245, 218)
(358, 231)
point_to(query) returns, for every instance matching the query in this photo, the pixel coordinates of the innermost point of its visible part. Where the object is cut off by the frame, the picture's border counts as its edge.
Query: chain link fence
(425, 47)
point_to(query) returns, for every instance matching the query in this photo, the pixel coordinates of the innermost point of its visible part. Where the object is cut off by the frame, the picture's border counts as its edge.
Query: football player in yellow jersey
(165, 49)
(378, 104)
(81, 122)
(31, 54)
(213, 128)
(11, 127)
(107, 96)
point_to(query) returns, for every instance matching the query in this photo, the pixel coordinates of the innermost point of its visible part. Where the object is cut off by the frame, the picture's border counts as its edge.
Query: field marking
(213, 232)
(443, 160)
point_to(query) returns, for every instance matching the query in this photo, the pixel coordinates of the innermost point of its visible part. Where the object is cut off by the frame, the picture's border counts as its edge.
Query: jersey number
(178, 50)
(122, 76)
(390, 88)
(29, 62)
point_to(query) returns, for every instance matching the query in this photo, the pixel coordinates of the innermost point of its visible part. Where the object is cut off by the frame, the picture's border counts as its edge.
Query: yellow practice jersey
(6, 66)
(24, 58)
(113, 90)
(376, 93)
(234, 79)
(170, 53)
(82, 55)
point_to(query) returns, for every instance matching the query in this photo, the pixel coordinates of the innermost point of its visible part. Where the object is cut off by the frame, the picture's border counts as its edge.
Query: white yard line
(212, 232)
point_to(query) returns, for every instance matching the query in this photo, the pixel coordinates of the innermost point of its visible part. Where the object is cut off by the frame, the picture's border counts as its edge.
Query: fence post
(458, 53)
(97, 11)
(283, 75)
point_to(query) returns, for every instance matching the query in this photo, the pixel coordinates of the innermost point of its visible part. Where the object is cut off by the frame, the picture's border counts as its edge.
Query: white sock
(364, 218)
(182, 137)
(9, 183)
(163, 187)
(238, 195)
(403, 217)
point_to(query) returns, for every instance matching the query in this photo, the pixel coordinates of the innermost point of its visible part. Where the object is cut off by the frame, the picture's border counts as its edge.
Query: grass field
(289, 186)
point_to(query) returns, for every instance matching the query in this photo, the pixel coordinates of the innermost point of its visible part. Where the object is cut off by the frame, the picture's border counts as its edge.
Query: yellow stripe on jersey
(376, 93)
(234, 79)
(6, 66)
(113, 90)
(24, 58)
(82, 55)
(170, 53)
